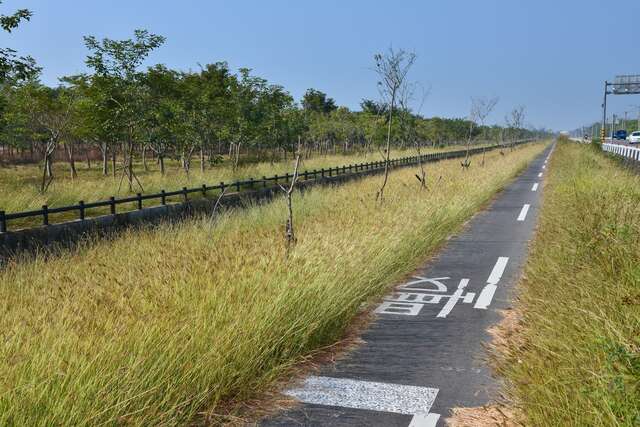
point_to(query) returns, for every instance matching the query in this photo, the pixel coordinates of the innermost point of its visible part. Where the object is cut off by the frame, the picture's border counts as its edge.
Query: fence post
(184, 193)
(322, 172)
(45, 215)
(163, 197)
(204, 190)
(81, 206)
(264, 181)
(251, 183)
(139, 196)
(112, 205)
(3, 222)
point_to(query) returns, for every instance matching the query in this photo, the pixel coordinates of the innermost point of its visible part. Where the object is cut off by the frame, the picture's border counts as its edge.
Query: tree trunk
(161, 162)
(202, 158)
(144, 158)
(113, 161)
(72, 161)
(105, 159)
(380, 194)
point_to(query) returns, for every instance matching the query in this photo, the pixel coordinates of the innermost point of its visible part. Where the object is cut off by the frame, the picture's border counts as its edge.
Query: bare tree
(290, 236)
(392, 68)
(480, 110)
(408, 123)
(514, 121)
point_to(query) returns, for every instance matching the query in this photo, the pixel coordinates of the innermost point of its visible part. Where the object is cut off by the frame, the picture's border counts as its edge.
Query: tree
(480, 109)
(51, 110)
(115, 64)
(12, 66)
(392, 68)
(314, 100)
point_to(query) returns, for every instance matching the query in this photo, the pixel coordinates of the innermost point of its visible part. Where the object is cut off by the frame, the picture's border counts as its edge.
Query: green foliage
(12, 66)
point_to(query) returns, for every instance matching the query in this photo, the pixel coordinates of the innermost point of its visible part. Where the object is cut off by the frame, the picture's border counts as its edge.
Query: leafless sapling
(289, 235)
(392, 68)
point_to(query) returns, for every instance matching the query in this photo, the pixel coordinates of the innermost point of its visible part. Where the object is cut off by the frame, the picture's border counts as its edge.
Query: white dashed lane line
(486, 296)
(540, 175)
(523, 212)
(535, 187)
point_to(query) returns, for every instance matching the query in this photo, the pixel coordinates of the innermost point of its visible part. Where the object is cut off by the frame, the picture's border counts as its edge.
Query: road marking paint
(544, 166)
(498, 270)
(428, 420)
(535, 187)
(540, 175)
(453, 300)
(523, 212)
(486, 296)
(404, 308)
(373, 396)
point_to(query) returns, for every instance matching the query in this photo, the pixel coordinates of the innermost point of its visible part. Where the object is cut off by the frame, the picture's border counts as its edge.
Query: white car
(634, 137)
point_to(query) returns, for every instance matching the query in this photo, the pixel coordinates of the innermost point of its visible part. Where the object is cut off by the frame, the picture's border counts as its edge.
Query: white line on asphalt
(486, 296)
(535, 187)
(544, 166)
(373, 396)
(523, 212)
(540, 175)
(498, 270)
(454, 299)
(428, 420)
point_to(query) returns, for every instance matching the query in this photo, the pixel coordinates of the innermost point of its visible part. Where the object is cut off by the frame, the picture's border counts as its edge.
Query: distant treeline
(124, 113)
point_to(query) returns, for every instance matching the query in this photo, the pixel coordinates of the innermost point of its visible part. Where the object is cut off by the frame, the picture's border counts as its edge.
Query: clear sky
(551, 56)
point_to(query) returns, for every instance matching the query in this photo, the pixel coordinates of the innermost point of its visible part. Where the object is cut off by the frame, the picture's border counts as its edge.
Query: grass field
(162, 326)
(576, 359)
(20, 184)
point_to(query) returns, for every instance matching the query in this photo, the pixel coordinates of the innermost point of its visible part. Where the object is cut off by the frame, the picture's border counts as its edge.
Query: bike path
(424, 353)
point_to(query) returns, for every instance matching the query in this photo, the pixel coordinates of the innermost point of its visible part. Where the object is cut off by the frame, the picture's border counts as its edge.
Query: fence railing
(622, 150)
(239, 186)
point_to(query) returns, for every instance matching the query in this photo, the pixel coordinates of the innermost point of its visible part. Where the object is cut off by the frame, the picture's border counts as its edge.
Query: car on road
(620, 134)
(634, 137)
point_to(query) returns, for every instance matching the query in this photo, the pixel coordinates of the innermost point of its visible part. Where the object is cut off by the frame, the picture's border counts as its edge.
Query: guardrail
(239, 186)
(622, 150)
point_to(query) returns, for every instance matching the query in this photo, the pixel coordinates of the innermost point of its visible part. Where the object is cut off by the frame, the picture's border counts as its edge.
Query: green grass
(20, 184)
(577, 358)
(161, 326)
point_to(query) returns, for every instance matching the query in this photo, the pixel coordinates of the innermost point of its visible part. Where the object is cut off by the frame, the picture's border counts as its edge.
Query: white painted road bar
(523, 212)
(535, 187)
(486, 296)
(369, 395)
(540, 175)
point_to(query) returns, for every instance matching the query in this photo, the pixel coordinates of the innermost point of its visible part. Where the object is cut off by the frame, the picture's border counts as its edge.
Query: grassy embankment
(576, 358)
(20, 184)
(158, 326)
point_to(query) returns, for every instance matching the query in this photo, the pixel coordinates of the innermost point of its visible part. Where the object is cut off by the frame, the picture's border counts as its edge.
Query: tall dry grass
(158, 326)
(577, 358)
(20, 184)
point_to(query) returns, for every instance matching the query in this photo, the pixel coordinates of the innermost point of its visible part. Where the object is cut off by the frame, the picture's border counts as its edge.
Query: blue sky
(551, 56)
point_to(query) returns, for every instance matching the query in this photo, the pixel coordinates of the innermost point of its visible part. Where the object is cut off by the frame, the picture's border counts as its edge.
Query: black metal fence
(249, 184)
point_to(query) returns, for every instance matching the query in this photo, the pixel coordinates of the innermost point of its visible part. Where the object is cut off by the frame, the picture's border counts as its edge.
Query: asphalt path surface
(424, 353)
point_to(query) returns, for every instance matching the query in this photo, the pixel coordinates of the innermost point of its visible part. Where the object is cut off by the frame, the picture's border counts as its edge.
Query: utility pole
(613, 126)
(604, 114)
(625, 121)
